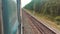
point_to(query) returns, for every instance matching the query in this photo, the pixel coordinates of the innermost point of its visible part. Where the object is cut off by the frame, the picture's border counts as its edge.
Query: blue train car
(10, 16)
(1, 17)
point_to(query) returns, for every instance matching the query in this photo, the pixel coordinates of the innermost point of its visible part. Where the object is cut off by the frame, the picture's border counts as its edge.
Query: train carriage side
(10, 16)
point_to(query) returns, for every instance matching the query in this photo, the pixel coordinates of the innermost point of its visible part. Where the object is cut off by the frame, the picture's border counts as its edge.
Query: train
(9, 16)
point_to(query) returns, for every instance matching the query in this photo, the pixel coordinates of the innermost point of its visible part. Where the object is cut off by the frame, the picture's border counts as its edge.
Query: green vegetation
(48, 8)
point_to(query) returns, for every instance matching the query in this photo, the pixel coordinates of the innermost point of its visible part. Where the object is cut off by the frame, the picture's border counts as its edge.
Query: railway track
(42, 28)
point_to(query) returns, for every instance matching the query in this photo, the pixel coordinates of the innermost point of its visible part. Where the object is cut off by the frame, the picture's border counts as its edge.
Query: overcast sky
(24, 2)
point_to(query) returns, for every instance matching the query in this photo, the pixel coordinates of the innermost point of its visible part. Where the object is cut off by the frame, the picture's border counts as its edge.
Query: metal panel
(10, 19)
(1, 22)
(19, 17)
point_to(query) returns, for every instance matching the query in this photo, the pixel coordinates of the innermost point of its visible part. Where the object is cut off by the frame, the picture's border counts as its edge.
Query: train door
(10, 16)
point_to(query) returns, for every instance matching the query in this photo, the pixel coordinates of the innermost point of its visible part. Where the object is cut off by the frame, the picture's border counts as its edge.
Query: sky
(24, 2)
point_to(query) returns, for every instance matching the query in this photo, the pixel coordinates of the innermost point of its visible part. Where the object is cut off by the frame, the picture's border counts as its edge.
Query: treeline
(50, 8)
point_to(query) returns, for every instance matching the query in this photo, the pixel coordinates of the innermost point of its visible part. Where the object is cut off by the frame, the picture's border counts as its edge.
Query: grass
(48, 20)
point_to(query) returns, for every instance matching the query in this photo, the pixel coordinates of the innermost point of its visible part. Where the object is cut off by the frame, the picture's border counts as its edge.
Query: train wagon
(1, 17)
(9, 20)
